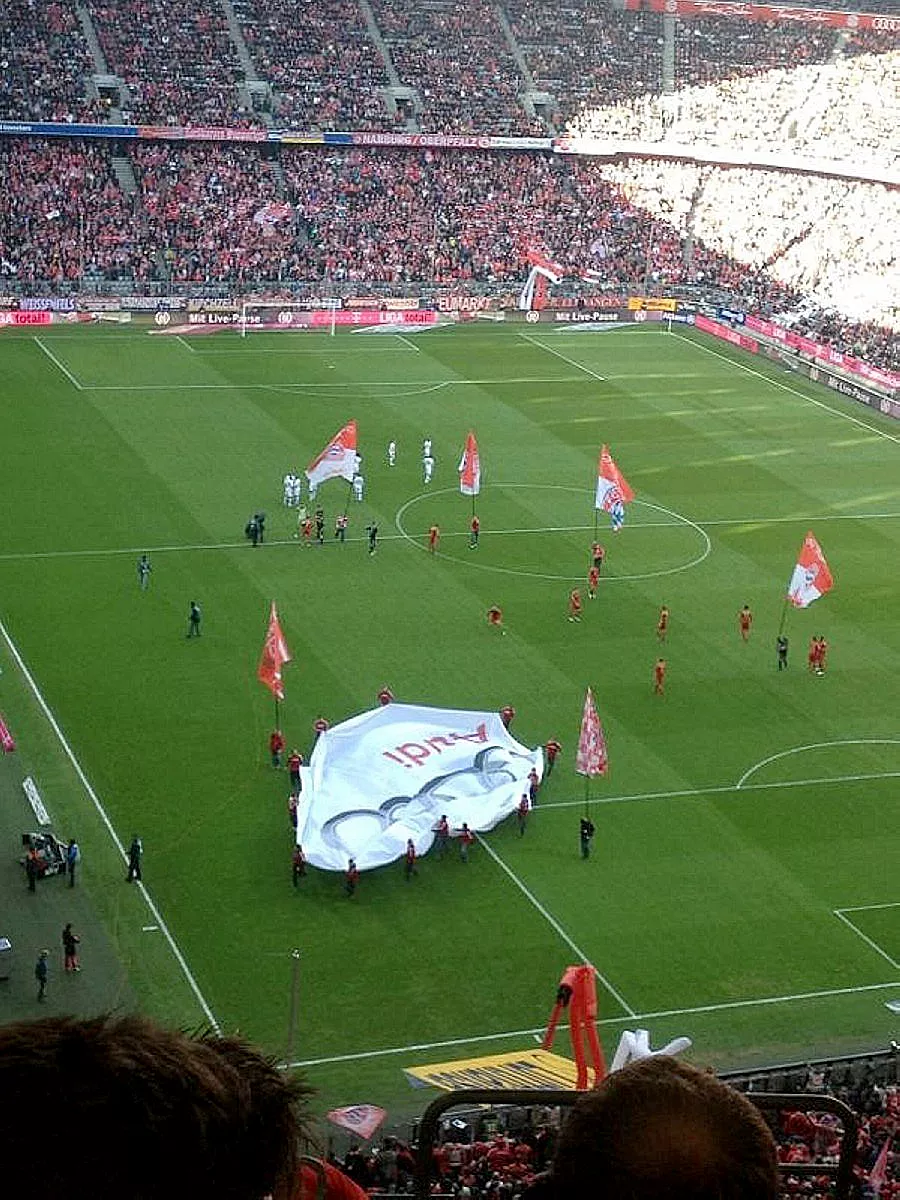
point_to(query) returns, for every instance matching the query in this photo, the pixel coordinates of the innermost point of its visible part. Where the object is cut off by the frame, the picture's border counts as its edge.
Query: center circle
(678, 520)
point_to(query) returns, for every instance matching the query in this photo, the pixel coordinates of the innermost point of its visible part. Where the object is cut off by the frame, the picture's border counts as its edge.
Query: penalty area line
(565, 358)
(698, 1010)
(101, 811)
(79, 387)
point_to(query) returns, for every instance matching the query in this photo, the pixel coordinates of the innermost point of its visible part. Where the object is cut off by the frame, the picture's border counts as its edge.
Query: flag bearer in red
(466, 838)
(593, 582)
(298, 864)
(442, 835)
(294, 763)
(534, 785)
(745, 621)
(575, 605)
(434, 537)
(597, 555)
(385, 696)
(319, 726)
(474, 532)
(659, 676)
(495, 617)
(276, 746)
(507, 713)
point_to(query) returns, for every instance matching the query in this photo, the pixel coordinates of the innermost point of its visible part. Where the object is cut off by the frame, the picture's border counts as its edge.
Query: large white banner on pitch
(390, 774)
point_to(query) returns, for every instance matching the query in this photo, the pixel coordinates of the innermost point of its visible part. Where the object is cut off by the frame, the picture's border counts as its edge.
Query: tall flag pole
(275, 654)
(811, 578)
(591, 757)
(470, 470)
(613, 490)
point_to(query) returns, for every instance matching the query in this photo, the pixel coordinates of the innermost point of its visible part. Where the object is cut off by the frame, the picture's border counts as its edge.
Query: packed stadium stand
(815, 251)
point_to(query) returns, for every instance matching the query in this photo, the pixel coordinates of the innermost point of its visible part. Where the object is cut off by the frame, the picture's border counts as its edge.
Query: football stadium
(448, 586)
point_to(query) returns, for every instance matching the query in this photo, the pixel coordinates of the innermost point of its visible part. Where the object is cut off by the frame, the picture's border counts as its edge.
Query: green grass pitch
(744, 883)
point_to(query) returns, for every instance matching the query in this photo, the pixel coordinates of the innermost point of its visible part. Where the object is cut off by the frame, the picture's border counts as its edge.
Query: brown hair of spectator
(119, 1108)
(660, 1128)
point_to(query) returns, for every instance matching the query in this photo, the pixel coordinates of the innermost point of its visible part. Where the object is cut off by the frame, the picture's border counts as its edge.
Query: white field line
(337, 385)
(95, 800)
(868, 907)
(643, 1016)
(722, 789)
(65, 370)
(554, 924)
(836, 412)
(398, 537)
(408, 342)
(565, 358)
(764, 762)
(865, 937)
(183, 341)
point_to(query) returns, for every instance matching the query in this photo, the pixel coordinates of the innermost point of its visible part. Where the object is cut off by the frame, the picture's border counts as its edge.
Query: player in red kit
(385, 696)
(659, 676)
(812, 657)
(593, 582)
(495, 617)
(574, 605)
(745, 620)
(552, 749)
(351, 878)
(522, 813)
(821, 653)
(597, 555)
(662, 624)
(409, 860)
(306, 530)
(474, 531)
(434, 537)
(507, 712)
(276, 746)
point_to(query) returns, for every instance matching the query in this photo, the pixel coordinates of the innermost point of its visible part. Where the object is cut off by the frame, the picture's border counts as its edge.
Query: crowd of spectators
(179, 65)
(324, 70)
(63, 216)
(44, 64)
(491, 1156)
(816, 253)
(457, 58)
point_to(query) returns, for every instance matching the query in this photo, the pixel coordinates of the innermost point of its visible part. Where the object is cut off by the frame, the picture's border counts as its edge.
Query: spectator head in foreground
(148, 1113)
(662, 1130)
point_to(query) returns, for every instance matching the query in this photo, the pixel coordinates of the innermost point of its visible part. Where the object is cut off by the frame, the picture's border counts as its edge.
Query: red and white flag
(878, 1174)
(470, 468)
(275, 654)
(591, 758)
(338, 460)
(361, 1119)
(613, 490)
(811, 578)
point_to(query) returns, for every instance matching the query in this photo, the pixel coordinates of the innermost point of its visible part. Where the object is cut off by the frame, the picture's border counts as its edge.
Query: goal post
(281, 316)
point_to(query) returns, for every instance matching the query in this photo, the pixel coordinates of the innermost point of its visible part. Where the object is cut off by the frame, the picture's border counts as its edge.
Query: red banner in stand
(824, 17)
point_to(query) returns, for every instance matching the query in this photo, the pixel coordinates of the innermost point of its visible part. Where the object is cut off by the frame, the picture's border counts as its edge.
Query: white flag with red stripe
(591, 757)
(470, 468)
(338, 460)
(613, 490)
(812, 577)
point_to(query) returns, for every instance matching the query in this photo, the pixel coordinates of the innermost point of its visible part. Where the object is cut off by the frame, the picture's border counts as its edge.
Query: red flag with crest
(275, 654)
(811, 577)
(591, 758)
